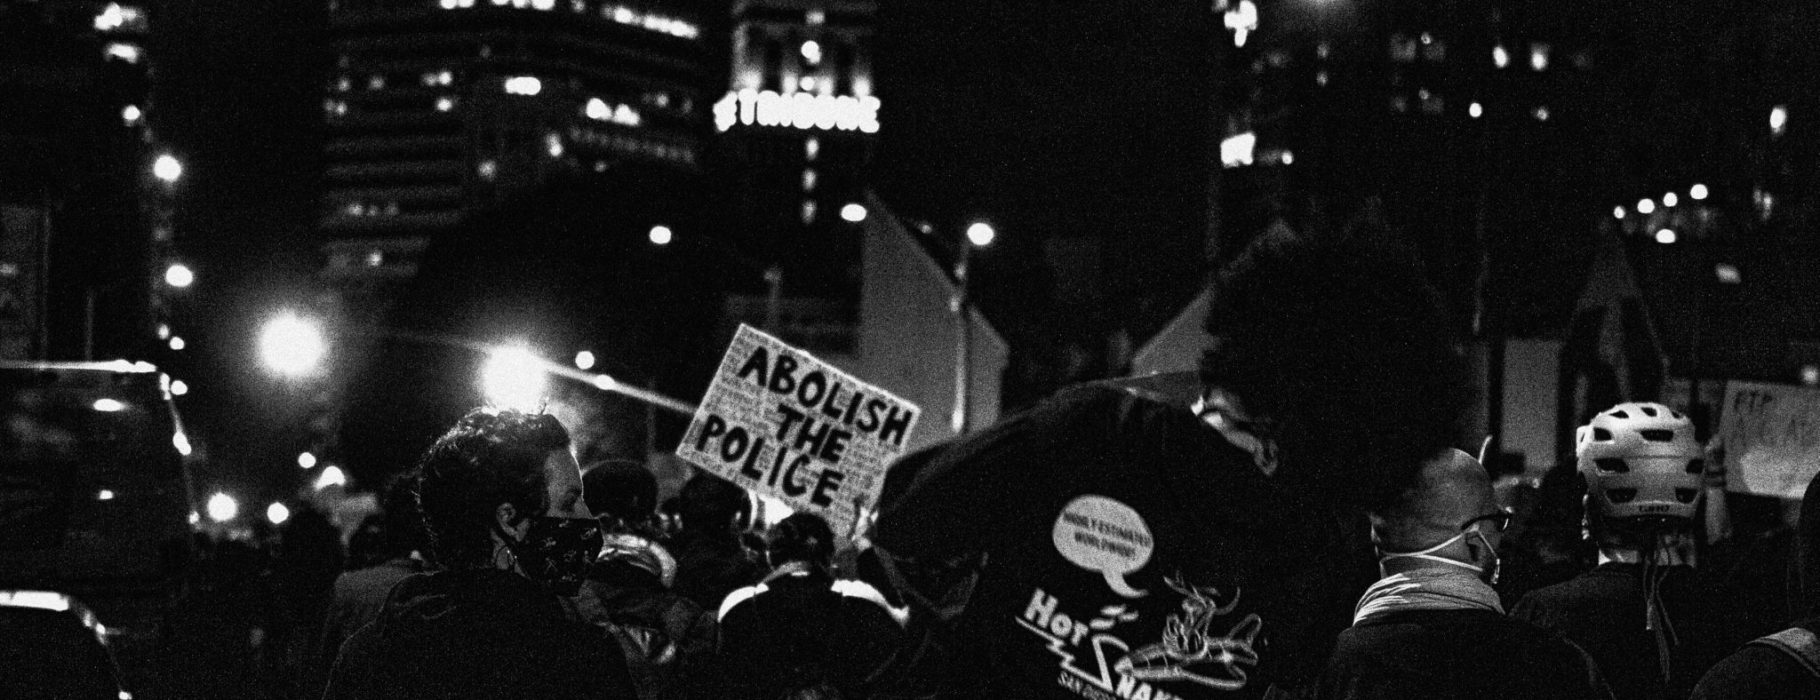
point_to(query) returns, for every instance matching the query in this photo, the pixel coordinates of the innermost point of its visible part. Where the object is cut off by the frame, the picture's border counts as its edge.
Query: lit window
(1670, 199)
(444, 104)
(487, 170)
(1402, 48)
(110, 18)
(808, 179)
(1541, 113)
(1728, 273)
(1399, 104)
(1697, 192)
(1810, 374)
(808, 211)
(553, 144)
(124, 52)
(543, 4)
(1617, 212)
(1475, 110)
(1322, 50)
(1500, 57)
(527, 85)
(1538, 56)
(1666, 236)
(1434, 52)
(1287, 158)
(344, 84)
(1320, 78)
(811, 148)
(815, 17)
(1646, 206)
(429, 79)
(853, 212)
(1242, 19)
(131, 115)
(377, 82)
(812, 52)
(1778, 119)
(449, 4)
(375, 258)
(806, 83)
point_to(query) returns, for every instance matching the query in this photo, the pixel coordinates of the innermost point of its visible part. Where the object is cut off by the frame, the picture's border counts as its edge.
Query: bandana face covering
(556, 552)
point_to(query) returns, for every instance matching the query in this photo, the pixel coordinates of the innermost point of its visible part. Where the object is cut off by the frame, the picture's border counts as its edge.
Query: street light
(291, 345)
(277, 513)
(167, 168)
(584, 360)
(222, 507)
(514, 377)
(979, 235)
(179, 276)
(661, 235)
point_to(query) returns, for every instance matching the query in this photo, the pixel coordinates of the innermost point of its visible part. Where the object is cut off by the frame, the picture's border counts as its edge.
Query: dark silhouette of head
(1344, 353)
(802, 537)
(711, 505)
(490, 457)
(621, 492)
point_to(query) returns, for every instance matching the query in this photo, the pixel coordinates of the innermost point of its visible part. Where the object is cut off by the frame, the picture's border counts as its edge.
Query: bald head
(1450, 489)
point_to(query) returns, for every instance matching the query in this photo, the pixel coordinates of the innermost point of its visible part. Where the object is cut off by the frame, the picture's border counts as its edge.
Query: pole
(774, 298)
(88, 324)
(963, 342)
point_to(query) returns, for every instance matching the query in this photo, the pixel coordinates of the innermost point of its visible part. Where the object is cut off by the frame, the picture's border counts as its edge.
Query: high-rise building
(438, 108)
(798, 126)
(85, 203)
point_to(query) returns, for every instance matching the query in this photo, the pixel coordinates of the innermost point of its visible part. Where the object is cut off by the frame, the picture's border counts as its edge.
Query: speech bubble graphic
(1100, 534)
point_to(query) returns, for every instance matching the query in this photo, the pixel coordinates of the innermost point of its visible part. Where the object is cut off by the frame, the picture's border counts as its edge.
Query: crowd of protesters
(1305, 528)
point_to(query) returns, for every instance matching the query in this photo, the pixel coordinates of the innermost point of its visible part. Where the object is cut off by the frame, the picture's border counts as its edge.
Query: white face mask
(1491, 578)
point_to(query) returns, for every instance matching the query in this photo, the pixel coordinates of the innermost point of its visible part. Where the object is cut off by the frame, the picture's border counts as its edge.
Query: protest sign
(780, 422)
(1771, 434)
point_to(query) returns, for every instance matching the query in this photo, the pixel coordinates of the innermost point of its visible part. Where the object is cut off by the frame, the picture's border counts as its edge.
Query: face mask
(556, 552)
(1488, 575)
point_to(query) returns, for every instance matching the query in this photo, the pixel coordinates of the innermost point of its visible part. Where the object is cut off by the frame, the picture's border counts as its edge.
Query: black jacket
(1758, 672)
(1445, 654)
(477, 634)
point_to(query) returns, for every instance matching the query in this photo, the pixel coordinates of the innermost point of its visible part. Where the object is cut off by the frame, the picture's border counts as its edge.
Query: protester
(1433, 627)
(666, 637)
(1644, 615)
(1785, 664)
(623, 496)
(401, 545)
(1108, 542)
(501, 496)
(710, 560)
(801, 632)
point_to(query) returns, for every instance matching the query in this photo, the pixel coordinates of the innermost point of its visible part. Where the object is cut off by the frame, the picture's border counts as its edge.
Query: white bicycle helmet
(1641, 460)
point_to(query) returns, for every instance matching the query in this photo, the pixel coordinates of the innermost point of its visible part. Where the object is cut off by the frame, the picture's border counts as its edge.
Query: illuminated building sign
(801, 110)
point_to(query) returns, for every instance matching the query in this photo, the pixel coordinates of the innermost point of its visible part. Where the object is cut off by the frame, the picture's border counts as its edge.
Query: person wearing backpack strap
(1785, 664)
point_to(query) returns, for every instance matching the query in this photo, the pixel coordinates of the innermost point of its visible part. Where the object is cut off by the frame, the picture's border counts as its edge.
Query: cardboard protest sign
(778, 421)
(1771, 434)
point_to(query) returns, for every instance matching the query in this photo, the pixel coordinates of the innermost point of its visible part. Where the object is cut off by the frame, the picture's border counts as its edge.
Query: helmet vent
(1648, 411)
(1658, 435)
(1620, 414)
(1696, 466)
(1612, 464)
(1620, 495)
(1601, 435)
(1672, 413)
(1686, 495)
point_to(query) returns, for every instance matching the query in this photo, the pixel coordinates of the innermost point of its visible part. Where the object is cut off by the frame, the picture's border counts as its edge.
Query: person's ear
(508, 520)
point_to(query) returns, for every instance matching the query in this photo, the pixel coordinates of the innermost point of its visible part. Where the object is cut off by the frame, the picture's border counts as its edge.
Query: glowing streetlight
(291, 345)
(331, 476)
(167, 168)
(1646, 206)
(1617, 212)
(179, 275)
(176, 342)
(661, 235)
(222, 507)
(1697, 192)
(1475, 110)
(980, 234)
(1778, 119)
(306, 460)
(277, 513)
(514, 378)
(812, 52)
(1670, 199)
(853, 212)
(584, 360)
(1666, 236)
(179, 387)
